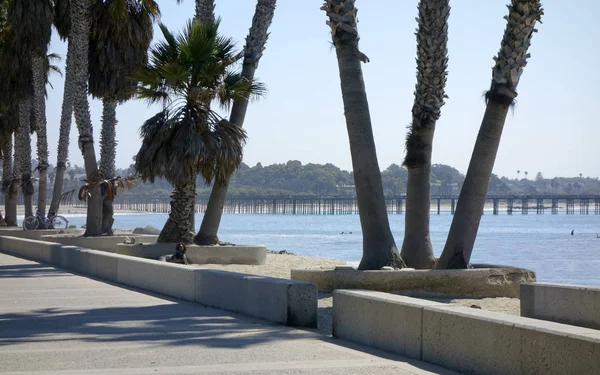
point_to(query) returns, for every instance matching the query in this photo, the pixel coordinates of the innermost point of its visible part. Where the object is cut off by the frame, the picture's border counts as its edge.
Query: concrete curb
(464, 339)
(104, 243)
(478, 282)
(578, 305)
(281, 301)
(237, 254)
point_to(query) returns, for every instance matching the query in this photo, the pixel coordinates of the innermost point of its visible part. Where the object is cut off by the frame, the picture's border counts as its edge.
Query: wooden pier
(525, 205)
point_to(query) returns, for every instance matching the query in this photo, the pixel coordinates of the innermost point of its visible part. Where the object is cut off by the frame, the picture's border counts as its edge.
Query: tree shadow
(30, 270)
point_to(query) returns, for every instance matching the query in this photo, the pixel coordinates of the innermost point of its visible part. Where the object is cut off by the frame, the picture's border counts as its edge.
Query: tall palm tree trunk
(24, 150)
(80, 19)
(10, 200)
(180, 224)
(379, 248)
(255, 45)
(39, 116)
(108, 151)
(65, 129)
(512, 58)
(432, 62)
(205, 11)
(13, 190)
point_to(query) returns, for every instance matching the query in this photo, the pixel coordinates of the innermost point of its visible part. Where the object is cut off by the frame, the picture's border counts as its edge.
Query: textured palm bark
(65, 129)
(24, 149)
(205, 11)
(39, 116)
(108, 151)
(469, 209)
(432, 64)
(255, 45)
(10, 201)
(510, 62)
(379, 247)
(180, 224)
(80, 20)
(417, 250)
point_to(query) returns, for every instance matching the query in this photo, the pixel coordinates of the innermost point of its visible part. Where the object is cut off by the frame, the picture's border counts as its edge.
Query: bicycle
(52, 221)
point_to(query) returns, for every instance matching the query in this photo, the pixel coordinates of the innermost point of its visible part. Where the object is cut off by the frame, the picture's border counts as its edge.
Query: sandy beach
(280, 265)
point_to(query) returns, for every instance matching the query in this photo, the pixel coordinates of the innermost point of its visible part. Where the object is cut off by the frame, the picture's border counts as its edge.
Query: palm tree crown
(185, 74)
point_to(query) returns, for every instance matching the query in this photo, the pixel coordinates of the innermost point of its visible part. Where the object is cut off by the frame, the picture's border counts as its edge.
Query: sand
(280, 265)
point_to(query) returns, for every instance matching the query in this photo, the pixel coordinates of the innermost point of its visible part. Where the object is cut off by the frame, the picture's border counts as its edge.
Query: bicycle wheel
(31, 223)
(59, 222)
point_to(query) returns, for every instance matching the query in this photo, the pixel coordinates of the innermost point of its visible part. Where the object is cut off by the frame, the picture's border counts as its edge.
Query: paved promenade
(55, 322)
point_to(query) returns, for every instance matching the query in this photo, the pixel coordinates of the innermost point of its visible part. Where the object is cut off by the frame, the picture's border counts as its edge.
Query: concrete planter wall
(478, 282)
(471, 341)
(103, 243)
(238, 254)
(571, 304)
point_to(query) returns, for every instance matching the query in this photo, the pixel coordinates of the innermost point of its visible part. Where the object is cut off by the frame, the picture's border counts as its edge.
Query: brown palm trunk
(24, 150)
(65, 129)
(80, 19)
(10, 199)
(108, 143)
(255, 45)
(205, 11)
(379, 248)
(39, 111)
(469, 209)
(180, 224)
(510, 62)
(432, 62)
(417, 250)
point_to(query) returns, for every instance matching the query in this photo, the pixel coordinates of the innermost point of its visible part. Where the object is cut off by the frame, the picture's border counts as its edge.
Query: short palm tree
(379, 247)
(510, 62)
(185, 73)
(120, 36)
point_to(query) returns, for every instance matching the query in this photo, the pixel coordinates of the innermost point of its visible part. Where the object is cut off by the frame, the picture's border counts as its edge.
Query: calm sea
(541, 243)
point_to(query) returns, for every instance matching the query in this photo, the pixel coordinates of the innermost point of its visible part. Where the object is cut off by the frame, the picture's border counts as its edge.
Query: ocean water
(541, 243)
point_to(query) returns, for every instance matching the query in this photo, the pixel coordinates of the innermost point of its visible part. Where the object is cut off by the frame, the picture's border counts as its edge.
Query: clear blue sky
(552, 130)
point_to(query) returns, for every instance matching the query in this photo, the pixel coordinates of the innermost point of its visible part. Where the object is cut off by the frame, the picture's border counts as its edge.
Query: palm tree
(526, 173)
(27, 44)
(120, 36)
(186, 138)
(41, 69)
(205, 11)
(62, 23)
(511, 59)
(432, 64)
(518, 174)
(253, 50)
(379, 248)
(80, 12)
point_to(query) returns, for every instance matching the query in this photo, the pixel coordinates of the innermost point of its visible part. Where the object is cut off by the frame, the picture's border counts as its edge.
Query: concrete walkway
(55, 322)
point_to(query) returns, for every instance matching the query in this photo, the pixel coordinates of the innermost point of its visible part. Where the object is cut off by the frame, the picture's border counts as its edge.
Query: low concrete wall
(38, 233)
(199, 254)
(277, 300)
(467, 340)
(280, 300)
(578, 305)
(479, 282)
(104, 243)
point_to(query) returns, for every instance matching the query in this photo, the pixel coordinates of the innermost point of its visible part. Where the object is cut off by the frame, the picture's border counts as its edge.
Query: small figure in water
(342, 233)
(178, 257)
(572, 232)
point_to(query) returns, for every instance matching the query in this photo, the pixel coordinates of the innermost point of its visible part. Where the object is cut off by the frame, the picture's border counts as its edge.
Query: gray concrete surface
(496, 281)
(284, 301)
(105, 243)
(289, 302)
(469, 340)
(577, 305)
(37, 234)
(238, 254)
(56, 323)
